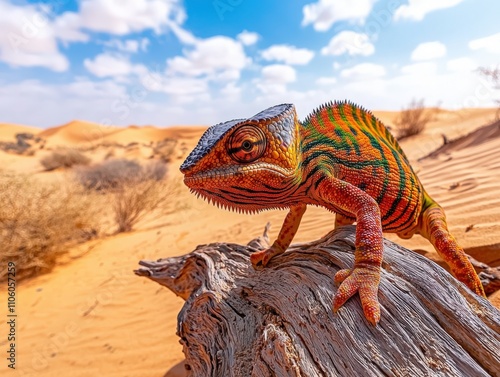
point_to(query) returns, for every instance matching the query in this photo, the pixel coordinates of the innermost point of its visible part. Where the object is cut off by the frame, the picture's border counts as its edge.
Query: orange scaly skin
(340, 157)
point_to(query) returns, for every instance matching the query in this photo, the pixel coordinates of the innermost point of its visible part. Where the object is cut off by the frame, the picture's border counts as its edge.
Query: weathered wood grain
(278, 321)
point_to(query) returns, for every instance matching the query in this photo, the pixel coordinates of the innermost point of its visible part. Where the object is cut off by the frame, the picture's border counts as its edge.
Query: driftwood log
(278, 321)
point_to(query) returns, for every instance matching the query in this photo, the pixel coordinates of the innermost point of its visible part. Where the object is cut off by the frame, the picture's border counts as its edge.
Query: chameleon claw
(365, 281)
(261, 258)
(341, 275)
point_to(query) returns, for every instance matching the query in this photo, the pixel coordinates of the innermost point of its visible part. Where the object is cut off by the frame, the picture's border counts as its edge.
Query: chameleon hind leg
(285, 237)
(433, 227)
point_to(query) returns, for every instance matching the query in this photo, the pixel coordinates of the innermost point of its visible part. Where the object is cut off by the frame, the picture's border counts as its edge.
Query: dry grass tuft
(64, 158)
(135, 190)
(492, 74)
(133, 202)
(165, 149)
(412, 120)
(38, 222)
(115, 173)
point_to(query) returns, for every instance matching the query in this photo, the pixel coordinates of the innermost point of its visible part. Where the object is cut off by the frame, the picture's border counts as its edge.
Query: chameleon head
(237, 162)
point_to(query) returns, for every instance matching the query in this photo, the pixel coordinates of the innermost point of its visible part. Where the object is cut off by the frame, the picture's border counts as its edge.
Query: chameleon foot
(261, 258)
(364, 280)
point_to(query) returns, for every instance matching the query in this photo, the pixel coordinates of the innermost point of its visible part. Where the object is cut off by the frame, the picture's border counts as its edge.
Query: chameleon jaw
(247, 208)
(234, 171)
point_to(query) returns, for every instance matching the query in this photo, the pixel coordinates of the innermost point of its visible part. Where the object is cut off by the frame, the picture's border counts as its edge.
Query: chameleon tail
(433, 227)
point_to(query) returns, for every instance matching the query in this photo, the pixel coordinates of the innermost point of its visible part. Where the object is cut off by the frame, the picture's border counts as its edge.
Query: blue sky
(170, 62)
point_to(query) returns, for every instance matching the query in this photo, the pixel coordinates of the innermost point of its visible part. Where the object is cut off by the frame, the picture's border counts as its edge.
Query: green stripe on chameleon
(377, 126)
(319, 119)
(354, 144)
(352, 137)
(402, 175)
(411, 218)
(402, 186)
(404, 211)
(382, 161)
(398, 155)
(389, 141)
(318, 139)
(346, 148)
(388, 137)
(350, 164)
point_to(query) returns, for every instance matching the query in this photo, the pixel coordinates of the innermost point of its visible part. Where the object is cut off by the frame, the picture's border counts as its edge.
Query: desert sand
(92, 316)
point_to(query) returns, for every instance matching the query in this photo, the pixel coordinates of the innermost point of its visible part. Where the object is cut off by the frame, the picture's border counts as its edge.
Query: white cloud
(288, 54)
(108, 102)
(111, 103)
(326, 81)
(29, 38)
(111, 65)
(417, 9)
(424, 69)
(490, 44)
(247, 38)
(231, 92)
(183, 86)
(395, 92)
(428, 51)
(184, 35)
(464, 64)
(128, 45)
(279, 73)
(59, 103)
(349, 42)
(31, 32)
(324, 13)
(217, 60)
(211, 56)
(67, 29)
(363, 71)
(275, 77)
(121, 17)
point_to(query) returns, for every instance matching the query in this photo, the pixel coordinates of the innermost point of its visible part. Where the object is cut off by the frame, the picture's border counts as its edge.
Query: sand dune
(77, 133)
(80, 133)
(93, 316)
(472, 139)
(8, 131)
(451, 124)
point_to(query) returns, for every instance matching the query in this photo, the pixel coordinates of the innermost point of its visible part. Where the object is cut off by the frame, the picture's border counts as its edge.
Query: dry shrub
(116, 173)
(136, 190)
(64, 158)
(492, 74)
(133, 202)
(38, 222)
(413, 119)
(165, 149)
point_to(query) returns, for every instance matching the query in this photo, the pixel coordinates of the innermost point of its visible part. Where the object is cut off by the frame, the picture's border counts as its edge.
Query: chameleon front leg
(285, 237)
(364, 278)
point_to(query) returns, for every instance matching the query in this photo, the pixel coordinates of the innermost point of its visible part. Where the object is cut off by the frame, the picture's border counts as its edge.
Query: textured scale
(340, 157)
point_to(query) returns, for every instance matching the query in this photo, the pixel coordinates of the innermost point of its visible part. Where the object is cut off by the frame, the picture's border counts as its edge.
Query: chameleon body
(340, 157)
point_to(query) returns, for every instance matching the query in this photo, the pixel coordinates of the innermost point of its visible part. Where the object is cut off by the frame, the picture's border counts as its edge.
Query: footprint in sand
(463, 186)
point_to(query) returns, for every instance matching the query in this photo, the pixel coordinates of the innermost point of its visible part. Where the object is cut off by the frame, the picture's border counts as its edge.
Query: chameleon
(340, 157)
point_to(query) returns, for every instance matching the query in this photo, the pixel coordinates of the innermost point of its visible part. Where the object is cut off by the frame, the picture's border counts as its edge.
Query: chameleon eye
(246, 144)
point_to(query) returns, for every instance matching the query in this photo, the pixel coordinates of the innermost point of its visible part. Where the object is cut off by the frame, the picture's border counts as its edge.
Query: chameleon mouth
(248, 207)
(234, 171)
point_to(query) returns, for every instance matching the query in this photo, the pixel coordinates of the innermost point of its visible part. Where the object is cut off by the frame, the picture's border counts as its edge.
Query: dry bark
(278, 321)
